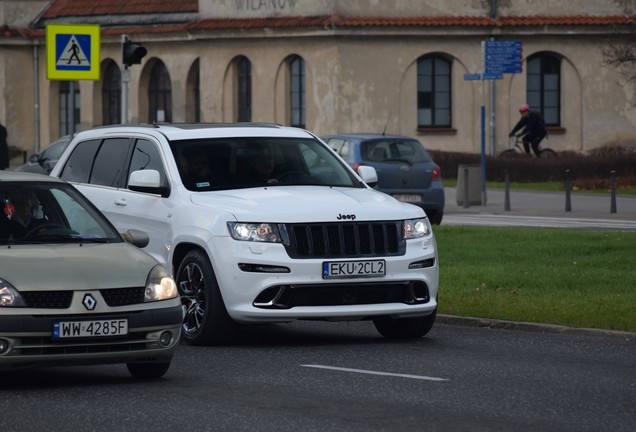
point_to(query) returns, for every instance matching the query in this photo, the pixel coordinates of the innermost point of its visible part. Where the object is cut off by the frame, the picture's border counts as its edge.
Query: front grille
(345, 240)
(346, 294)
(45, 346)
(63, 299)
(47, 299)
(123, 296)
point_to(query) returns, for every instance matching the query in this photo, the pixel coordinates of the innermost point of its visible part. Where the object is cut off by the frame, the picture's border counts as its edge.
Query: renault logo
(89, 302)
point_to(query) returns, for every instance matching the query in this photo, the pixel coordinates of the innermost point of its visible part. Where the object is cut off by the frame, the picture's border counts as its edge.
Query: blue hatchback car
(405, 169)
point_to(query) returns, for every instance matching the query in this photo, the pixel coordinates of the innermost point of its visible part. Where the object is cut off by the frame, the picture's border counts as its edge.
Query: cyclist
(533, 129)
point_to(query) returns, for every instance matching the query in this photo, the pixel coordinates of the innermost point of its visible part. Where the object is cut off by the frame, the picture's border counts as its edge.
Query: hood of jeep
(284, 204)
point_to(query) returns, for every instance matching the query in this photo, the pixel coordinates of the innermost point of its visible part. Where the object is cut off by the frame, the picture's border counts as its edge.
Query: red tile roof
(580, 20)
(337, 21)
(66, 8)
(87, 8)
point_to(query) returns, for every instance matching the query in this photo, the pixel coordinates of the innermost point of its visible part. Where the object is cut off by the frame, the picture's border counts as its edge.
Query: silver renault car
(72, 290)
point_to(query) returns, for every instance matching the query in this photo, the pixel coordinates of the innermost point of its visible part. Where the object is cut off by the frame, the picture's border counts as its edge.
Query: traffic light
(132, 53)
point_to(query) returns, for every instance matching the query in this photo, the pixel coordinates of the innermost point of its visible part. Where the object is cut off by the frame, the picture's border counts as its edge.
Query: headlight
(259, 232)
(416, 228)
(9, 296)
(160, 285)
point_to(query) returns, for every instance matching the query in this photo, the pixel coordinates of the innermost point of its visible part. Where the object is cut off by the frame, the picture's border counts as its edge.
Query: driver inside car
(261, 163)
(20, 206)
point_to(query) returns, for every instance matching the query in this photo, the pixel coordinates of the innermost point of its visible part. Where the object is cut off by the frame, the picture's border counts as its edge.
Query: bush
(592, 169)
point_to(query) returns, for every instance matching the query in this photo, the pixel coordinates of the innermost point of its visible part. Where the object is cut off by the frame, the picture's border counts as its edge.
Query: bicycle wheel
(548, 154)
(510, 153)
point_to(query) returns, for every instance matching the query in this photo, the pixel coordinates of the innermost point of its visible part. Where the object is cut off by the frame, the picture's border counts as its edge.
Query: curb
(535, 327)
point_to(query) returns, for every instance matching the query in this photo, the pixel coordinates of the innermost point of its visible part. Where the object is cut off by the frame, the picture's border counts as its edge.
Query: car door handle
(120, 202)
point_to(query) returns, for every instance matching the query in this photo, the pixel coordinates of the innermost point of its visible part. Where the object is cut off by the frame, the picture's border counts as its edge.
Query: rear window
(394, 150)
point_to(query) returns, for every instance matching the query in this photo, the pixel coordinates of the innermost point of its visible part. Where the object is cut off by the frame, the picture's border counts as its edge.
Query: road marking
(368, 372)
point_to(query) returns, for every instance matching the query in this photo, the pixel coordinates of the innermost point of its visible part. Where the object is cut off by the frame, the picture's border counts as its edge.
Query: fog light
(165, 339)
(422, 264)
(4, 346)
(262, 268)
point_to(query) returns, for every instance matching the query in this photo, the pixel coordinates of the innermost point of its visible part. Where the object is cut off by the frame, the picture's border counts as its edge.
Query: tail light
(355, 166)
(437, 173)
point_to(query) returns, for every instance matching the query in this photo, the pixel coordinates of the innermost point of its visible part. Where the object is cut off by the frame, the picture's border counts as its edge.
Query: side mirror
(149, 181)
(368, 174)
(136, 237)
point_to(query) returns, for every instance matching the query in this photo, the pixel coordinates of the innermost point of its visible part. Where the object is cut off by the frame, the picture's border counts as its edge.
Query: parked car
(44, 161)
(405, 169)
(72, 291)
(261, 223)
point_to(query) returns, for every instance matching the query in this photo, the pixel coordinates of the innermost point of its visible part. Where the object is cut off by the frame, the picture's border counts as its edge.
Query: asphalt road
(316, 376)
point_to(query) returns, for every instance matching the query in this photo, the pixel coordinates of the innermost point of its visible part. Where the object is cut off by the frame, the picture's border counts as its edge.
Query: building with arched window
(329, 66)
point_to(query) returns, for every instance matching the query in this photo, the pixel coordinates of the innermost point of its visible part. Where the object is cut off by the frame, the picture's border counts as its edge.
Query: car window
(49, 213)
(146, 156)
(340, 146)
(394, 150)
(110, 161)
(319, 162)
(229, 163)
(54, 150)
(79, 164)
(81, 219)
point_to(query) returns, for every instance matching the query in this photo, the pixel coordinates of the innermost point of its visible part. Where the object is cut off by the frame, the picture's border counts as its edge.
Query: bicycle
(517, 150)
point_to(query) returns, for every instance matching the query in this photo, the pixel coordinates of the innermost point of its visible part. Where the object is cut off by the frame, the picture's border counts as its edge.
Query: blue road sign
(472, 77)
(488, 75)
(484, 76)
(72, 52)
(501, 57)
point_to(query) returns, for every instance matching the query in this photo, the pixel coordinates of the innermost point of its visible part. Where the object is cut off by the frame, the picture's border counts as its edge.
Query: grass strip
(547, 275)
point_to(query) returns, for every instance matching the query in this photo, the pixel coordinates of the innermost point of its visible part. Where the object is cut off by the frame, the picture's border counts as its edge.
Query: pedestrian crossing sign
(72, 52)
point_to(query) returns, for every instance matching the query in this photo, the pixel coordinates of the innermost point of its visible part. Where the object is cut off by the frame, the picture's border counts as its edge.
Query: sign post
(72, 54)
(498, 58)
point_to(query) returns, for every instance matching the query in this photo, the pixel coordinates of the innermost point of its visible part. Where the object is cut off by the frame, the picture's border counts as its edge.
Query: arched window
(244, 80)
(433, 92)
(159, 94)
(543, 88)
(297, 91)
(193, 98)
(111, 94)
(69, 107)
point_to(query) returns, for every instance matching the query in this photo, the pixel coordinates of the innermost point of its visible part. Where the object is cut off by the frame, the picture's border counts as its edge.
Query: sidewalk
(548, 204)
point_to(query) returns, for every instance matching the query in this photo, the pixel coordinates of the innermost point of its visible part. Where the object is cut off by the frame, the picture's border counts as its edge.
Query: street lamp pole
(125, 79)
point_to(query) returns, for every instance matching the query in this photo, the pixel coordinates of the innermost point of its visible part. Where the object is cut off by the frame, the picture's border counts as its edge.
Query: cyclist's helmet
(524, 108)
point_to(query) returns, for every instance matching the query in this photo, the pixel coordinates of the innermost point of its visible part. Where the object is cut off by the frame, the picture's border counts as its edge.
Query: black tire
(206, 321)
(510, 153)
(405, 328)
(148, 370)
(548, 154)
(435, 216)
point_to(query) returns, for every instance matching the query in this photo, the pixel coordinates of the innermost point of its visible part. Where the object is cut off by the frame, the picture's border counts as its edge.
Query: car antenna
(387, 124)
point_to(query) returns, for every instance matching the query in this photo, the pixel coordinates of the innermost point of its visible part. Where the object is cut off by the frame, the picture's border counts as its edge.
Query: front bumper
(301, 293)
(26, 340)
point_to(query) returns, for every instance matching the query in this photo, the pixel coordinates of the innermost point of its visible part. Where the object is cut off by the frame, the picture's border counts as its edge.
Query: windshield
(233, 163)
(49, 213)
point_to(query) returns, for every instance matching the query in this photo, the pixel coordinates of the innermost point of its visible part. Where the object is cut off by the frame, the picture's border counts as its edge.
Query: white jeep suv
(261, 223)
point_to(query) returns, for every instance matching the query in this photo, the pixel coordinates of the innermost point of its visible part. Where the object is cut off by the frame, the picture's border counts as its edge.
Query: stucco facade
(361, 65)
